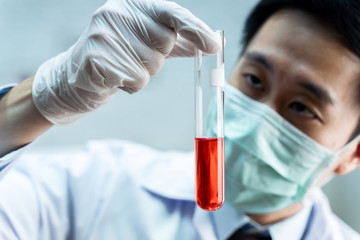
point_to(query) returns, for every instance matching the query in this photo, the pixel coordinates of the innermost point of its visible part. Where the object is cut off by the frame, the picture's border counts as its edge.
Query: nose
(273, 102)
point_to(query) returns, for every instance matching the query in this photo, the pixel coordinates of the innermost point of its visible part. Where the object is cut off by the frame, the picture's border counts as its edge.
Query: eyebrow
(259, 58)
(317, 90)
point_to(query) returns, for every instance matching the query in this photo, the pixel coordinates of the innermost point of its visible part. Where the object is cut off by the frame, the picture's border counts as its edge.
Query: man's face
(300, 68)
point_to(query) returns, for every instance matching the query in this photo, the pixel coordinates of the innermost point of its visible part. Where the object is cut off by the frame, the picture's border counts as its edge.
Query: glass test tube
(209, 129)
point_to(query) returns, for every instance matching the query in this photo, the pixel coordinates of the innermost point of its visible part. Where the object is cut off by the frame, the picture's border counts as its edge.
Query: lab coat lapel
(321, 223)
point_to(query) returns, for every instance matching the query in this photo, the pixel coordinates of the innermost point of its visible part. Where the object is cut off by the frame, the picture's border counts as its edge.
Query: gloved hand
(126, 42)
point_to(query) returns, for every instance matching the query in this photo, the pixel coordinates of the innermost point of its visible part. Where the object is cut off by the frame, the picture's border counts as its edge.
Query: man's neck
(270, 218)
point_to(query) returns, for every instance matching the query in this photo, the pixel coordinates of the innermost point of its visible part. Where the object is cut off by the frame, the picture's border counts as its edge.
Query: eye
(301, 109)
(254, 81)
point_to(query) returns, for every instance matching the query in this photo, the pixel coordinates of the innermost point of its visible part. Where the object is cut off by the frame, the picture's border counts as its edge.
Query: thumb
(182, 48)
(183, 22)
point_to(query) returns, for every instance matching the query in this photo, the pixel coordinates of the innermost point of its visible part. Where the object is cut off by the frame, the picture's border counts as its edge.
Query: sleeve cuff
(8, 160)
(5, 89)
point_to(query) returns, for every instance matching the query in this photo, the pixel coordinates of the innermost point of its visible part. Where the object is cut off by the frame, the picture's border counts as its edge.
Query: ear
(350, 162)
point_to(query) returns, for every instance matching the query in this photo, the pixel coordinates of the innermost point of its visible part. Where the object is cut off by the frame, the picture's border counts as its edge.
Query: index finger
(183, 22)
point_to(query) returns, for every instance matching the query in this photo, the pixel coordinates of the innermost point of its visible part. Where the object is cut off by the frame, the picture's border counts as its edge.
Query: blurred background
(162, 114)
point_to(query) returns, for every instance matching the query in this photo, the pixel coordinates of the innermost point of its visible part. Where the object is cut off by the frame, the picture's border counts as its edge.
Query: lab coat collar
(222, 223)
(203, 223)
(210, 225)
(227, 220)
(162, 177)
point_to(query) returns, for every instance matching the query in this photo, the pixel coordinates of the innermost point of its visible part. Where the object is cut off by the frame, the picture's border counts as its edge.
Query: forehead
(298, 43)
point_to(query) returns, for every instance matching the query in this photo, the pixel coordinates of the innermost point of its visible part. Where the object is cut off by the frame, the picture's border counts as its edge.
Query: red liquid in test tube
(209, 173)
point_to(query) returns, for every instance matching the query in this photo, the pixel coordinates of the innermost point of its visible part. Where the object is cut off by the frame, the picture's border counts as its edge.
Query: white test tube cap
(217, 77)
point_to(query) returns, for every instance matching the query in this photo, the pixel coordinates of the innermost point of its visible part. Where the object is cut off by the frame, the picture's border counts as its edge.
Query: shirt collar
(292, 227)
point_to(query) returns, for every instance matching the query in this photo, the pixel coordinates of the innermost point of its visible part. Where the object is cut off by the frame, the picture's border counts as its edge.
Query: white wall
(161, 115)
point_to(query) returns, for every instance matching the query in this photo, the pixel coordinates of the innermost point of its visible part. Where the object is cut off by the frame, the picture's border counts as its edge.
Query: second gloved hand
(126, 42)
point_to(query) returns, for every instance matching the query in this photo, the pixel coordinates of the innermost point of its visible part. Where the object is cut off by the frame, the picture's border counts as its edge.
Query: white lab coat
(118, 190)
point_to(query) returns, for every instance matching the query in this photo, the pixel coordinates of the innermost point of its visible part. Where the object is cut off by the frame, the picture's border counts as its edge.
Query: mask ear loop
(322, 179)
(340, 152)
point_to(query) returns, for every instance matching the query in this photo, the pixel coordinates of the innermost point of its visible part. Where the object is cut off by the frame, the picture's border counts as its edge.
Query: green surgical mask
(269, 163)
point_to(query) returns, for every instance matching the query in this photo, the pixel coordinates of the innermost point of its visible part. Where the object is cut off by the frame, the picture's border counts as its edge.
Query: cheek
(336, 134)
(328, 139)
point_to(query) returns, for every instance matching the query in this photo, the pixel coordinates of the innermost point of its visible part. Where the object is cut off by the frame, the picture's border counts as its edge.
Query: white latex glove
(126, 42)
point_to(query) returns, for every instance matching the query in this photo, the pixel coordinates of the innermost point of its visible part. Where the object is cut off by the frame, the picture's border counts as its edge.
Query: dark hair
(341, 15)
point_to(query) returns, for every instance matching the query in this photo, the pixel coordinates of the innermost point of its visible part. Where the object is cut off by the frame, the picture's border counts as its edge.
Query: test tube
(209, 129)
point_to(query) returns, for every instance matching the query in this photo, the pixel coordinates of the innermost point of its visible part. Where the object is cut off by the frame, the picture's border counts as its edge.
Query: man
(292, 125)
